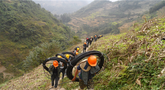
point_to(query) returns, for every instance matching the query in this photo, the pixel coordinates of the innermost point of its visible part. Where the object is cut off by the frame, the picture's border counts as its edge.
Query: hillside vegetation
(133, 61)
(26, 26)
(103, 16)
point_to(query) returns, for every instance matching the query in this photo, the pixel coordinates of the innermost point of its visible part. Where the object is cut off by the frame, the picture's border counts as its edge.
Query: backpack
(51, 67)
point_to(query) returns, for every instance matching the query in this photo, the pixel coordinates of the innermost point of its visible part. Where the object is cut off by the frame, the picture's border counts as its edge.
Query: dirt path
(33, 80)
(58, 87)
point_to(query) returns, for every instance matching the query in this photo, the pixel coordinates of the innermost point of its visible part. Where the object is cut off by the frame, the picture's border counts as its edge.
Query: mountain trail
(34, 79)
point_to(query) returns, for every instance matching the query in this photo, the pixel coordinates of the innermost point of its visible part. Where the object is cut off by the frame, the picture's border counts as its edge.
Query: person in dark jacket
(84, 47)
(62, 64)
(99, 36)
(95, 38)
(55, 73)
(91, 39)
(87, 41)
(62, 70)
(88, 71)
(76, 50)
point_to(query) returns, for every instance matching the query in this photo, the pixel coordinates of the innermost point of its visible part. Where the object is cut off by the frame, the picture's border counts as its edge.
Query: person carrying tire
(84, 47)
(87, 41)
(88, 71)
(62, 70)
(76, 50)
(54, 70)
(99, 37)
(91, 39)
(68, 57)
(95, 38)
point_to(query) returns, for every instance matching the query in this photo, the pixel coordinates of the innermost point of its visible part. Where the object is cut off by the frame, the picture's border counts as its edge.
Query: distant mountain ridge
(100, 12)
(62, 6)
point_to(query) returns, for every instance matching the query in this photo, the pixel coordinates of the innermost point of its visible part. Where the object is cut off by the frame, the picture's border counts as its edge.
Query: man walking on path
(88, 71)
(55, 72)
(91, 39)
(95, 37)
(84, 47)
(87, 41)
(76, 50)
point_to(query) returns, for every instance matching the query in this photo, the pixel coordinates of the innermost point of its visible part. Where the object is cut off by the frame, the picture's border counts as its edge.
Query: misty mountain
(104, 16)
(62, 6)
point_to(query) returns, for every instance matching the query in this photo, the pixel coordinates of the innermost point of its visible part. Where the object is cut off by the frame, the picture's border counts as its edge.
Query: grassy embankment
(135, 60)
(33, 80)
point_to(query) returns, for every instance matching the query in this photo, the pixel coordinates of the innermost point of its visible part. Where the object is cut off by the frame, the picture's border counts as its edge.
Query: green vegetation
(93, 6)
(125, 5)
(69, 84)
(100, 14)
(135, 60)
(157, 7)
(65, 18)
(28, 35)
(102, 29)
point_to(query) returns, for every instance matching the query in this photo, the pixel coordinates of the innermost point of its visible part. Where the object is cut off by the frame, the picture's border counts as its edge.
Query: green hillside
(133, 61)
(103, 16)
(25, 25)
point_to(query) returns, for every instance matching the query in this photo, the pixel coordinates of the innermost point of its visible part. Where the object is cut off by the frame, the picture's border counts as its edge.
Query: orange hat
(76, 53)
(55, 63)
(92, 60)
(85, 43)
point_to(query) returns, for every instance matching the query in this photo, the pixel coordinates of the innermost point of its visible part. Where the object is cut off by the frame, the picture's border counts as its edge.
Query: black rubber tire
(62, 55)
(81, 56)
(52, 59)
(71, 53)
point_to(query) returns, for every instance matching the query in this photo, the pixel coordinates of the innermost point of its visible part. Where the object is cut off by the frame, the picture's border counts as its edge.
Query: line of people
(89, 41)
(58, 67)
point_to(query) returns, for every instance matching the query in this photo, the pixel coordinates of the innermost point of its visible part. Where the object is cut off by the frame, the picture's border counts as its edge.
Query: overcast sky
(93, 0)
(75, 0)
